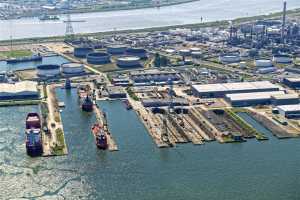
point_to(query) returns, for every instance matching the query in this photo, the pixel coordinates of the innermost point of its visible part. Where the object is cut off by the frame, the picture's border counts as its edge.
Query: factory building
(48, 71)
(116, 92)
(251, 99)
(289, 111)
(98, 58)
(221, 89)
(155, 76)
(292, 82)
(164, 102)
(292, 70)
(72, 68)
(284, 99)
(19, 90)
(82, 52)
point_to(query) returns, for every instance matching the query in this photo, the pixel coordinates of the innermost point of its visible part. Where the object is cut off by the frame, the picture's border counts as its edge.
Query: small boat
(127, 104)
(100, 136)
(34, 146)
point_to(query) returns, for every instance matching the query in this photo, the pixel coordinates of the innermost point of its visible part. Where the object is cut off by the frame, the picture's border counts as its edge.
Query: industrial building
(98, 58)
(221, 89)
(72, 68)
(154, 76)
(289, 111)
(234, 58)
(19, 90)
(164, 102)
(251, 99)
(263, 63)
(292, 82)
(285, 99)
(279, 58)
(116, 92)
(48, 71)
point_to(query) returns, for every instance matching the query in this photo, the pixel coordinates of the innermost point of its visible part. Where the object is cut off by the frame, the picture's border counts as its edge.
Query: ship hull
(34, 151)
(12, 61)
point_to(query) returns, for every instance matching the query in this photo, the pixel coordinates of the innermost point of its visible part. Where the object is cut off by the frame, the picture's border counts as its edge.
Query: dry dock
(54, 143)
(112, 145)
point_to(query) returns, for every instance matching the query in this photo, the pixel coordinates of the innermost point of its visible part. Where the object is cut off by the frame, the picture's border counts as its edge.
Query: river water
(144, 18)
(252, 170)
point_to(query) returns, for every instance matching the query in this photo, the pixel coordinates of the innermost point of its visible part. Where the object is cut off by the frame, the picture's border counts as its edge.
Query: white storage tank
(243, 65)
(72, 68)
(284, 59)
(128, 61)
(184, 52)
(229, 58)
(196, 54)
(262, 63)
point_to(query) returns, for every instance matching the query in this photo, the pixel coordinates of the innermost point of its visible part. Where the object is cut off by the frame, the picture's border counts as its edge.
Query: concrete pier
(54, 143)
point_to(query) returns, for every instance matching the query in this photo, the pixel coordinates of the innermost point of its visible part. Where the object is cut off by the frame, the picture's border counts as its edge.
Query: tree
(157, 60)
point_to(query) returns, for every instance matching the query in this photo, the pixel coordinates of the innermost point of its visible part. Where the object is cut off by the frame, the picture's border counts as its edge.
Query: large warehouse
(220, 90)
(292, 82)
(154, 76)
(19, 90)
(251, 99)
(290, 111)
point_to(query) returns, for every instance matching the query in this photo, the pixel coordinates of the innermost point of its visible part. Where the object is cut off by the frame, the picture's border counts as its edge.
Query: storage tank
(196, 54)
(98, 58)
(137, 52)
(231, 58)
(128, 61)
(266, 70)
(195, 49)
(82, 52)
(284, 59)
(72, 68)
(116, 49)
(184, 52)
(48, 70)
(263, 63)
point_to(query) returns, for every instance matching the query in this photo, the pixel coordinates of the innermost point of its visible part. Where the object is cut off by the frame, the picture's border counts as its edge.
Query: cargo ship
(85, 98)
(34, 146)
(100, 136)
(33, 58)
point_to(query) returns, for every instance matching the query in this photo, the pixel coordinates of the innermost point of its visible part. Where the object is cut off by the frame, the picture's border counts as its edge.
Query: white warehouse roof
(239, 86)
(253, 95)
(289, 108)
(19, 88)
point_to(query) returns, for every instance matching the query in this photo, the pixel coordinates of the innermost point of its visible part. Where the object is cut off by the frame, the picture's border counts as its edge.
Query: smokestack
(283, 22)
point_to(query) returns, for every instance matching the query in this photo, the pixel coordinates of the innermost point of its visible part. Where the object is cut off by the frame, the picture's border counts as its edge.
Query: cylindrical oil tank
(282, 59)
(196, 54)
(72, 68)
(184, 52)
(82, 52)
(48, 70)
(263, 63)
(98, 58)
(116, 49)
(137, 52)
(128, 61)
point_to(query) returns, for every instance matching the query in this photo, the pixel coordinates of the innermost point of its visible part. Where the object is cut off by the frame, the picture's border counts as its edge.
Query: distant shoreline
(220, 23)
(82, 11)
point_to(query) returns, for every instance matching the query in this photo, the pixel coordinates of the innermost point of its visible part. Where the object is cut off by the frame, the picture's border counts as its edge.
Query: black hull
(34, 151)
(25, 60)
(102, 147)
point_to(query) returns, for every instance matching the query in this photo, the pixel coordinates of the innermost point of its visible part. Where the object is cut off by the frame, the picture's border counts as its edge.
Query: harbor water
(251, 170)
(57, 60)
(144, 18)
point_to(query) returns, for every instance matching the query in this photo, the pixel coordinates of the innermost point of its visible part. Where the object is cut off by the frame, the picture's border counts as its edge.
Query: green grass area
(19, 102)
(244, 125)
(131, 94)
(15, 53)
(58, 149)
